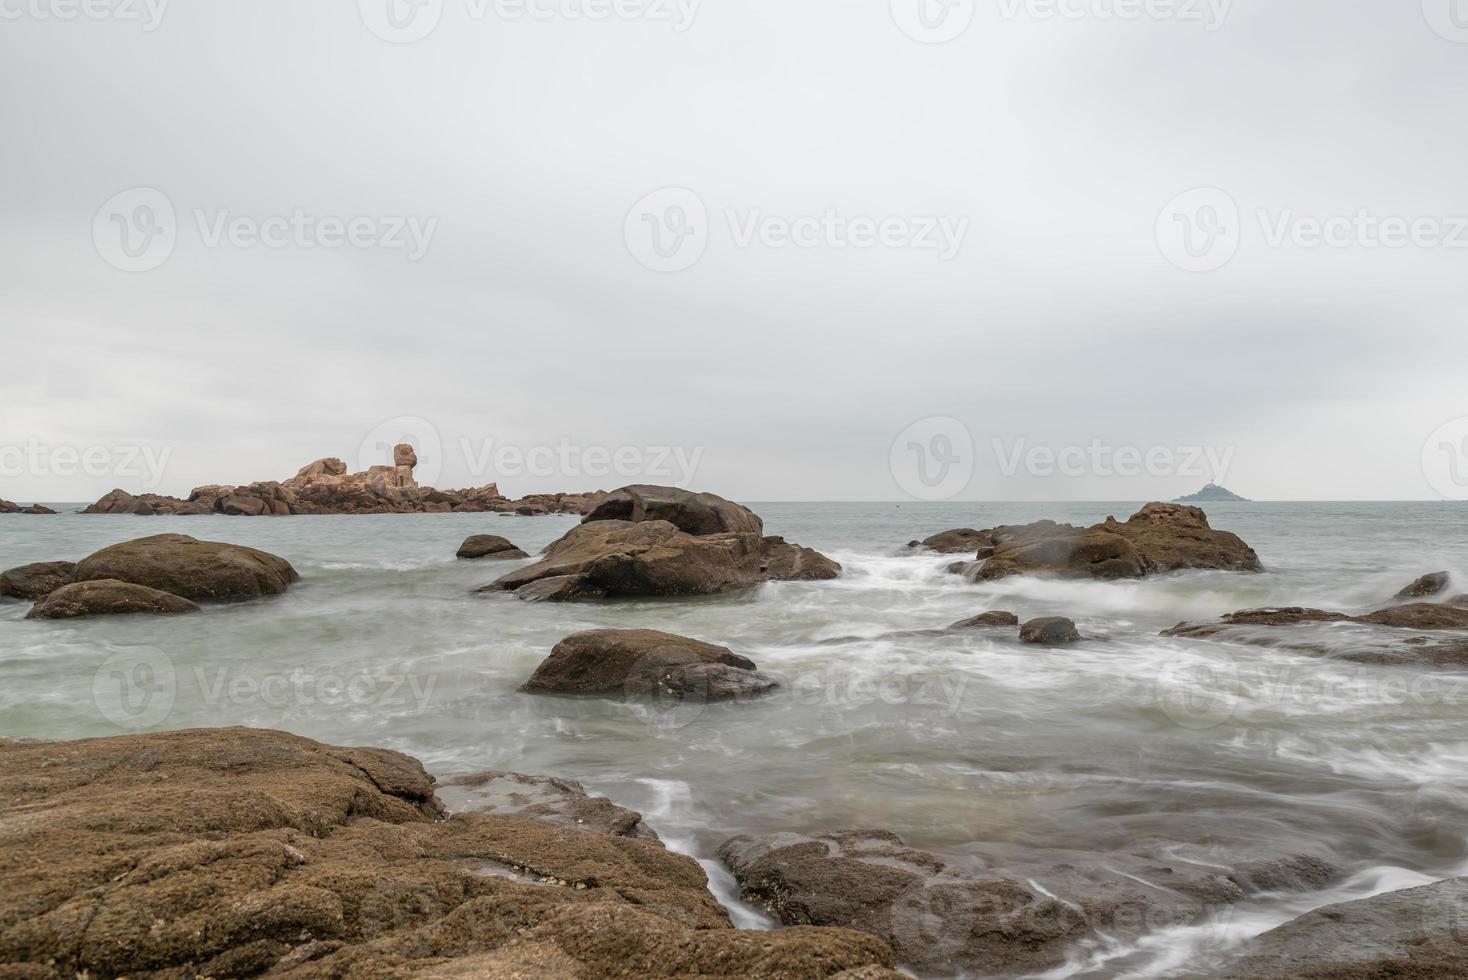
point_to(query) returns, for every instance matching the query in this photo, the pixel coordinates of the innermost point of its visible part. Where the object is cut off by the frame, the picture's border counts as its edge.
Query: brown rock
(646, 663)
(960, 540)
(1049, 631)
(1063, 551)
(545, 799)
(694, 513)
(32, 582)
(986, 620)
(781, 561)
(1394, 642)
(1430, 584)
(1176, 536)
(188, 567)
(108, 597)
(235, 852)
(489, 546)
(1419, 616)
(7, 507)
(37, 509)
(404, 455)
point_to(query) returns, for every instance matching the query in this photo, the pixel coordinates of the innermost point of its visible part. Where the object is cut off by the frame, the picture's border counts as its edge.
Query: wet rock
(959, 540)
(1049, 631)
(1414, 932)
(1062, 551)
(489, 546)
(9, 507)
(1419, 616)
(37, 509)
(36, 581)
(646, 663)
(188, 567)
(1386, 637)
(1430, 584)
(693, 513)
(987, 619)
(781, 561)
(1175, 536)
(235, 852)
(108, 597)
(546, 799)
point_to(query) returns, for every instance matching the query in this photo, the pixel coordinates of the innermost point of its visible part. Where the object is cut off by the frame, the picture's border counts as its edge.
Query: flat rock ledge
(237, 852)
(1414, 633)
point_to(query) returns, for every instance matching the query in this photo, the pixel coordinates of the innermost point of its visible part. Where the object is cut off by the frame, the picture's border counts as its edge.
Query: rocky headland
(326, 487)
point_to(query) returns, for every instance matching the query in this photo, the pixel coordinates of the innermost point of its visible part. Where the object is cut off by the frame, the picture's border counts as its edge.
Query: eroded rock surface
(1049, 631)
(646, 663)
(695, 513)
(489, 546)
(108, 597)
(188, 567)
(1428, 585)
(236, 852)
(547, 799)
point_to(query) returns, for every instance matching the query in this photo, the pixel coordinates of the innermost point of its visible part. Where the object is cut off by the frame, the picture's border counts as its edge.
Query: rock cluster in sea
(8, 507)
(326, 487)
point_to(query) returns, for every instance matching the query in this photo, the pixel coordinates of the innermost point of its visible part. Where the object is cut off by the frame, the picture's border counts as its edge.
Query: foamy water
(1128, 742)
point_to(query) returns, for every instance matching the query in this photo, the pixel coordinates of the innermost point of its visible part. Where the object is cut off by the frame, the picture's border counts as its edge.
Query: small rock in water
(1049, 631)
(644, 663)
(993, 618)
(489, 546)
(1430, 584)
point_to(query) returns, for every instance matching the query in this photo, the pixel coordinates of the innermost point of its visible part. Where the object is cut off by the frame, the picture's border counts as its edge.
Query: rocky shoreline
(326, 487)
(248, 852)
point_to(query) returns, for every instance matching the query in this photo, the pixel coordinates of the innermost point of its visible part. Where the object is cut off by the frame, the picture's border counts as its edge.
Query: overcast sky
(813, 251)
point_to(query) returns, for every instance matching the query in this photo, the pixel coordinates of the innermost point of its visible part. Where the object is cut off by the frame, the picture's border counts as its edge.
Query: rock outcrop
(188, 567)
(646, 663)
(35, 581)
(987, 620)
(606, 556)
(1428, 585)
(478, 546)
(1212, 493)
(1387, 637)
(328, 487)
(1049, 631)
(1413, 932)
(1158, 538)
(959, 540)
(108, 597)
(237, 852)
(7, 507)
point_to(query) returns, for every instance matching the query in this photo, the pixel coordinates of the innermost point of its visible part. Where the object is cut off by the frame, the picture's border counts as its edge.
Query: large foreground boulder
(646, 663)
(32, 582)
(236, 852)
(188, 567)
(649, 556)
(108, 597)
(1414, 932)
(1157, 538)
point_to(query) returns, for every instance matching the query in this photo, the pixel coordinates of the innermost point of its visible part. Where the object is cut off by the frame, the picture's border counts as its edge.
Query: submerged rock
(188, 567)
(236, 852)
(1049, 631)
(1385, 637)
(108, 597)
(644, 663)
(546, 799)
(489, 546)
(32, 582)
(987, 619)
(1429, 584)
(606, 556)
(959, 540)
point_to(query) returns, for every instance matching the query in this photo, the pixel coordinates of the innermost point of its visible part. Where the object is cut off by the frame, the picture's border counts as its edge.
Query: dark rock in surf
(1386, 637)
(1430, 584)
(646, 663)
(1049, 631)
(108, 597)
(188, 567)
(692, 513)
(36, 581)
(478, 546)
(959, 540)
(987, 620)
(1174, 536)
(544, 799)
(781, 561)
(1419, 616)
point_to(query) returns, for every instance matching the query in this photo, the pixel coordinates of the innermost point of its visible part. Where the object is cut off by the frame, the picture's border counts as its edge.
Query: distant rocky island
(325, 487)
(1212, 493)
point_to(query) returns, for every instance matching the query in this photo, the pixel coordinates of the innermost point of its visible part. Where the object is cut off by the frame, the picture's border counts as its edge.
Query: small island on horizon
(1212, 492)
